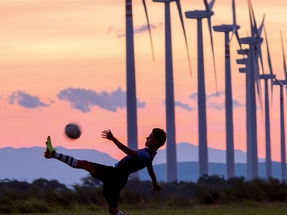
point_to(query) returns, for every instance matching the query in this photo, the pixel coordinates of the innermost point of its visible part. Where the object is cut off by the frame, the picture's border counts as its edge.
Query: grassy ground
(248, 208)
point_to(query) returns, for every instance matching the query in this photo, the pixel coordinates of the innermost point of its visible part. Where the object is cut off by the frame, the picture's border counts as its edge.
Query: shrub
(32, 206)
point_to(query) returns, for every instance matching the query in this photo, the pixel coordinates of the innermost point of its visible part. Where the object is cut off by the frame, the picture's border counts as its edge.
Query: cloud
(215, 101)
(137, 29)
(215, 95)
(216, 106)
(25, 100)
(237, 104)
(183, 105)
(144, 28)
(208, 97)
(221, 106)
(193, 96)
(84, 99)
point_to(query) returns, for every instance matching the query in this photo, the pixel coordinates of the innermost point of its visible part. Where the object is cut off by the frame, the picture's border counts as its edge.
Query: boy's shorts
(113, 182)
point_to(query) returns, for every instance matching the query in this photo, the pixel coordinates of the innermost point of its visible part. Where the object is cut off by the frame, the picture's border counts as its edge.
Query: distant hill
(29, 164)
(188, 171)
(187, 152)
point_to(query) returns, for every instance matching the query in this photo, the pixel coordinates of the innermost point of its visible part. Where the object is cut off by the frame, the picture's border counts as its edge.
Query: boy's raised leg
(69, 160)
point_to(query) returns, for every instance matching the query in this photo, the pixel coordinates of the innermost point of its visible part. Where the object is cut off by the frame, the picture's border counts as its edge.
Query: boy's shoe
(49, 148)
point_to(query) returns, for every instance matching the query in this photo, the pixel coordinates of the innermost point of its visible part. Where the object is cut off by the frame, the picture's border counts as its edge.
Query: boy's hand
(156, 188)
(107, 134)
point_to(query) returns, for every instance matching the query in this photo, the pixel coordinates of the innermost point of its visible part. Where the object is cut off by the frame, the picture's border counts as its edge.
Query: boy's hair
(160, 135)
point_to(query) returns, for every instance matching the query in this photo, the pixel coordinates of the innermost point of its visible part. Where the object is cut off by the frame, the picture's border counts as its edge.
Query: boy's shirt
(130, 164)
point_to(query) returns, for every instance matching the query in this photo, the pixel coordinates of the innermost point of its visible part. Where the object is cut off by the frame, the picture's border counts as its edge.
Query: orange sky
(50, 46)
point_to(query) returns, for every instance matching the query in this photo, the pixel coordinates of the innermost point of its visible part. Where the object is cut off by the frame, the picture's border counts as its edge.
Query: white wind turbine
(266, 77)
(281, 83)
(169, 91)
(202, 128)
(228, 91)
(130, 77)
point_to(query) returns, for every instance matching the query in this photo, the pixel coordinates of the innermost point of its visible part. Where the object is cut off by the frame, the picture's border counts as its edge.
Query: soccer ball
(73, 131)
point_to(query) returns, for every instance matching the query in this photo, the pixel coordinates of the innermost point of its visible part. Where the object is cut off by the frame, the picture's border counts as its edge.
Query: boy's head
(156, 139)
(160, 135)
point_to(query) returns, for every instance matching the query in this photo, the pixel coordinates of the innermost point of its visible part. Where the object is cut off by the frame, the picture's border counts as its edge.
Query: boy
(115, 178)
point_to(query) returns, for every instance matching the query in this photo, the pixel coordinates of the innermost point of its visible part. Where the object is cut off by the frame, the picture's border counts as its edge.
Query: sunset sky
(64, 61)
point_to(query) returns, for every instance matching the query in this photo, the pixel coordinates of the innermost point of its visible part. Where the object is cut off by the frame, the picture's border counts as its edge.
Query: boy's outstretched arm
(156, 186)
(109, 135)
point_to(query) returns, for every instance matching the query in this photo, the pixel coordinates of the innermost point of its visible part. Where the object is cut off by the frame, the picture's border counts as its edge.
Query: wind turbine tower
(252, 77)
(130, 78)
(244, 61)
(281, 83)
(228, 92)
(169, 91)
(251, 119)
(202, 127)
(266, 78)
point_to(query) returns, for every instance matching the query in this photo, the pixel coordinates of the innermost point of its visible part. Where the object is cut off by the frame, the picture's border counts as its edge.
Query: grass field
(242, 209)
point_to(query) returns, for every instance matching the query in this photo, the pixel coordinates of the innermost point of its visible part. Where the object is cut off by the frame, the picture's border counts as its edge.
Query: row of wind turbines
(253, 64)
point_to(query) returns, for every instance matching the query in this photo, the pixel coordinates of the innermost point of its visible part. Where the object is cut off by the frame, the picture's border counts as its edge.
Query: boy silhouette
(115, 178)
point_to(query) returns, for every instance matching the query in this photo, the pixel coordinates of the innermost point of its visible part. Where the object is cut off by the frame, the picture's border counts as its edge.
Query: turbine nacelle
(242, 61)
(243, 51)
(280, 82)
(267, 76)
(242, 70)
(198, 14)
(225, 28)
(251, 40)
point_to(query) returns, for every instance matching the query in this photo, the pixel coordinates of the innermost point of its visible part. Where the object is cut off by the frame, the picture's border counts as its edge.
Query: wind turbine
(266, 77)
(228, 91)
(130, 77)
(202, 128)
(169, 91)
(258, 58)
(252, 75)
(281, 83)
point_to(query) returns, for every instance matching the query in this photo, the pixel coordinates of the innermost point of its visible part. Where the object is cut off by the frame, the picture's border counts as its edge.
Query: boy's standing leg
(111, 193)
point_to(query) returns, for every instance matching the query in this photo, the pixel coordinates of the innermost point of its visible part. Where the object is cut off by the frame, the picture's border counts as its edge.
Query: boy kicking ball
(115, 178)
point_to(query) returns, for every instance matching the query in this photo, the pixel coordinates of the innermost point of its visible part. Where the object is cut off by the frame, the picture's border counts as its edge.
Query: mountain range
(28, 164)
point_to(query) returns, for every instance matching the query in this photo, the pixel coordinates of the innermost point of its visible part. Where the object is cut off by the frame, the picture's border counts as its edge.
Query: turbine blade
(233, 12)
(238, 40)
(210, 5)
(148, 24)
(251, 20)
(260, 57)
(268, 53)
(234, 28)
(261, 26)
(258, 87)
(258, 54)
(233, 32)
(269, 63)
(284, 61)
(206, 5)
(234, 21)
(184, 32)
(212, 47)
(257, 34)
